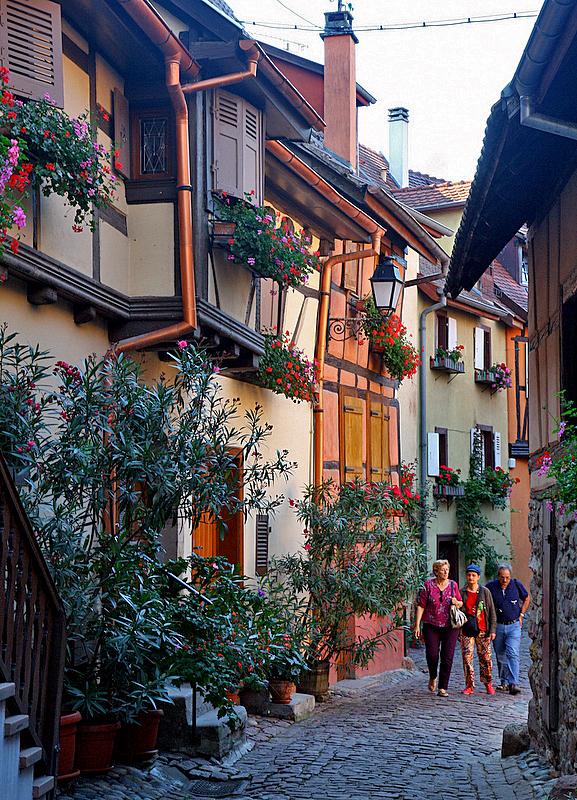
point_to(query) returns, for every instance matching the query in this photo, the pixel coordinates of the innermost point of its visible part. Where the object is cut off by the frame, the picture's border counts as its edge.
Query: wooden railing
(32, 627)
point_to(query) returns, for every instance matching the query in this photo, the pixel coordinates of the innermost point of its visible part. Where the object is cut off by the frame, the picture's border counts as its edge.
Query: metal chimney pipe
(399, 145)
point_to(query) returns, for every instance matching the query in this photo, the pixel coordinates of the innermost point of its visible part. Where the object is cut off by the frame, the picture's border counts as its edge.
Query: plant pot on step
(94, 747)
(136, 741)
(316, 680)
(254, 701)
(68, 724)
(281, 690)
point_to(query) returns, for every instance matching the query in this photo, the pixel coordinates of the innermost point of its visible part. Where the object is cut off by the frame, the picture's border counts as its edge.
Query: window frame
(138, 114)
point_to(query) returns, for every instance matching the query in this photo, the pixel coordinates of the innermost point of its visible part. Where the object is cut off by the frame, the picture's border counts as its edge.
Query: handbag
(456, 616)
(471, 626)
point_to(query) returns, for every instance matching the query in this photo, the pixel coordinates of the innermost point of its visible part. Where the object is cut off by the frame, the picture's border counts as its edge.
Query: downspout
(178, 60)
(541, 122)
(423, 403)
(325, 292)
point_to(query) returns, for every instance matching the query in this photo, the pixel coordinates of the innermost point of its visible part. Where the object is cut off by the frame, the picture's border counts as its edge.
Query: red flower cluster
(286, 370)
(448, 476)
(386, 331)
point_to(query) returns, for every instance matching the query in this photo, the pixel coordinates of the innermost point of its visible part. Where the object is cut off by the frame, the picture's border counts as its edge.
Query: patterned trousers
(483, 651)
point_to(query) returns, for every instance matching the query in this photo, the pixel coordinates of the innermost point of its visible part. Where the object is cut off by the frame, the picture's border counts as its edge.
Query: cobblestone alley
(393, 740)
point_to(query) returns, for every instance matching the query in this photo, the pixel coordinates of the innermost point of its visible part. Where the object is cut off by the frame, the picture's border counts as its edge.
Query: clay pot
(94, 746)
(68, 724)
(136, 741)
(281, 690)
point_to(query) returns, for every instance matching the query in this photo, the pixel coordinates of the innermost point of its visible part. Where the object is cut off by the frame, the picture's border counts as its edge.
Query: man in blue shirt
(511, 602)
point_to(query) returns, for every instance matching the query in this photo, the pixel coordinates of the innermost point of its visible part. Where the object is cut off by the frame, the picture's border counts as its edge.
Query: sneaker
(468, 690)
(514, 688)
(490, 688)
(503, 688)
(443, 693)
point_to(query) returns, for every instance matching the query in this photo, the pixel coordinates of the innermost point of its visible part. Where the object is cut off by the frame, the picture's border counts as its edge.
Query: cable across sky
(401, 26)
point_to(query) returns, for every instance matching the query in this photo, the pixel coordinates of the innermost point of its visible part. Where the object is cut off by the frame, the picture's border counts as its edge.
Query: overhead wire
(288, 8)
(401, 26)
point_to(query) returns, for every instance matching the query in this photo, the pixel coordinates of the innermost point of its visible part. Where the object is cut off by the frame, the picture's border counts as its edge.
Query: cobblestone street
(391, 740)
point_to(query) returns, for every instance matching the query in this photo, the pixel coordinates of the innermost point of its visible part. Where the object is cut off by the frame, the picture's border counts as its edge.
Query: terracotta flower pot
(281, 690)
(136, 741)
(68, 724)
(94, 746)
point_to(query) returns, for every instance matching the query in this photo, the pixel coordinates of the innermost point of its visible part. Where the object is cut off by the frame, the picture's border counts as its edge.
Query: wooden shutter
(228, 120)
(252, 152)
(352, 439)
(350, 270)
(262, 532)
(238, 146)
(31, 48)
(122, 132)
(496, 449)
(378, 460)
(479, 348)
(451, 333)
(442, 338)
(432, 454)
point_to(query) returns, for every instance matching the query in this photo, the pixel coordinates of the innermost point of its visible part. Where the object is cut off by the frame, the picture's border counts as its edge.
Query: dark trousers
(443, 640)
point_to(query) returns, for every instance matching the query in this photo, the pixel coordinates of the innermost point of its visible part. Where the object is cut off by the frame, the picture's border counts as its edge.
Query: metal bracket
(340, 328)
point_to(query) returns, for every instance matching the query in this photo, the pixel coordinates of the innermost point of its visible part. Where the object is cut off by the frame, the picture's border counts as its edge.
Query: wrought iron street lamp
(386, 284)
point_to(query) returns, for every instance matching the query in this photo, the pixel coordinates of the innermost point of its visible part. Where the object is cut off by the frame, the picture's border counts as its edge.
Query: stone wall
(560, 746)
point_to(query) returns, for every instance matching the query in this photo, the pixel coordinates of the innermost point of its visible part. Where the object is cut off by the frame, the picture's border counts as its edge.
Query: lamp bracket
(340, 328)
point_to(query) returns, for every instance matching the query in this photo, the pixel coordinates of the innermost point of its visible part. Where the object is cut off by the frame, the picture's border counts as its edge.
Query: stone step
(7, 690)
(300, 707)
(30, 756)
(219, 736)
(42, 786)
(15, 724)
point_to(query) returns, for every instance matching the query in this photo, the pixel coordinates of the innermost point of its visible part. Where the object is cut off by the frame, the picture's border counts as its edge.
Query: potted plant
(356, 562)
(388, 336)
(448, 483)
(271, 250)
(448, 360)
(285, 369)
(59, 155)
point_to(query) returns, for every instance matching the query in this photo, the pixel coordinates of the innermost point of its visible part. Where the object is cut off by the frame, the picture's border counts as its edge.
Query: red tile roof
(509, 286)
(372, 164)
(435, 196)
(422, 179)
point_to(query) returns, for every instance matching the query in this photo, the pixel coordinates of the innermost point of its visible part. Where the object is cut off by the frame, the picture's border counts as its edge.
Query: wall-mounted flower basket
(484, 376)
(223, 231)
(447, 365)
(441, 490)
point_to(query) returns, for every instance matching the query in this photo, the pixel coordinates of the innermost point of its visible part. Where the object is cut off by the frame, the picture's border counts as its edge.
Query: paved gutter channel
(389, 739)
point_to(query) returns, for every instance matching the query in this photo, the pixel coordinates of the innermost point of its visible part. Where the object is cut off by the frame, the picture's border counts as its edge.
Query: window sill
(485, 376)
(441, 491)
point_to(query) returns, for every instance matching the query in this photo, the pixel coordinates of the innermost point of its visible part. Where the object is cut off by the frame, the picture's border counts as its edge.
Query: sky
(447, 76)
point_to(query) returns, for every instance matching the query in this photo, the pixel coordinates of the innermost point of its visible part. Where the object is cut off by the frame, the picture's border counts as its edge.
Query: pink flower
(307, 546)
(182, 344)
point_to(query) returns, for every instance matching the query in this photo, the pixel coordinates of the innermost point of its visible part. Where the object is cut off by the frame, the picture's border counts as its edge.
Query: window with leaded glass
(153, 146)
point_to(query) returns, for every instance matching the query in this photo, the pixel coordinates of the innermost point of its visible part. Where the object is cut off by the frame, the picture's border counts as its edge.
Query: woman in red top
(478, 603)
(433, 606)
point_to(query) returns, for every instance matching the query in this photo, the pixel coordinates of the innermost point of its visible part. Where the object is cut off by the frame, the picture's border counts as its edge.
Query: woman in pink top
(433, 606)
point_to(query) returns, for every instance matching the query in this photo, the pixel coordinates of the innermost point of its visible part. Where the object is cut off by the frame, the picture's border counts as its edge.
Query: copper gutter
(325, 293)
(178, 61)
(325, 189)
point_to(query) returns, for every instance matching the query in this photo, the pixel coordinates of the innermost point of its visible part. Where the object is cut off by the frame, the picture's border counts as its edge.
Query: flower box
(485, 376)
(447, 364)
(222, 231)
(441, 490)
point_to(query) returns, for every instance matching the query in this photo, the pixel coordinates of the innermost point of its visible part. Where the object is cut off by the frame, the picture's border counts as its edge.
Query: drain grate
(207, 788)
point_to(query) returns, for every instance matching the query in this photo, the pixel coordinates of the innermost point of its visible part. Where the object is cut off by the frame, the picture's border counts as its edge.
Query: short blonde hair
(441, 562)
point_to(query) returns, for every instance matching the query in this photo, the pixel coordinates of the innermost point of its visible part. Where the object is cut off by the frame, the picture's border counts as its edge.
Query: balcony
(447, 365)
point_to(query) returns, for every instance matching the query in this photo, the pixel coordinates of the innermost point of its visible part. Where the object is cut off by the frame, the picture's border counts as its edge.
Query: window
(446, 331)
(238, 146)
(378, 457)
(151, 144)
(489, 442)
(443, 449)
(351, 270)
(31, 48)
(482, 343)
(351, 436)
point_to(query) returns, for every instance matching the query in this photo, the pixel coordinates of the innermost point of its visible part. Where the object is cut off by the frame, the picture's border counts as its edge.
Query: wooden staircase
(32, 648)
(17, 781)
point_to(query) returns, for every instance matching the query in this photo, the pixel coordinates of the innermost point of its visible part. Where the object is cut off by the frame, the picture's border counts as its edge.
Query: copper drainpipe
(325, 292)
(179, 61)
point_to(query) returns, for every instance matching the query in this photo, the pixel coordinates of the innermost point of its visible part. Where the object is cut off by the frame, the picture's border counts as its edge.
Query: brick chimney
(399, 145)
(340, 85)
